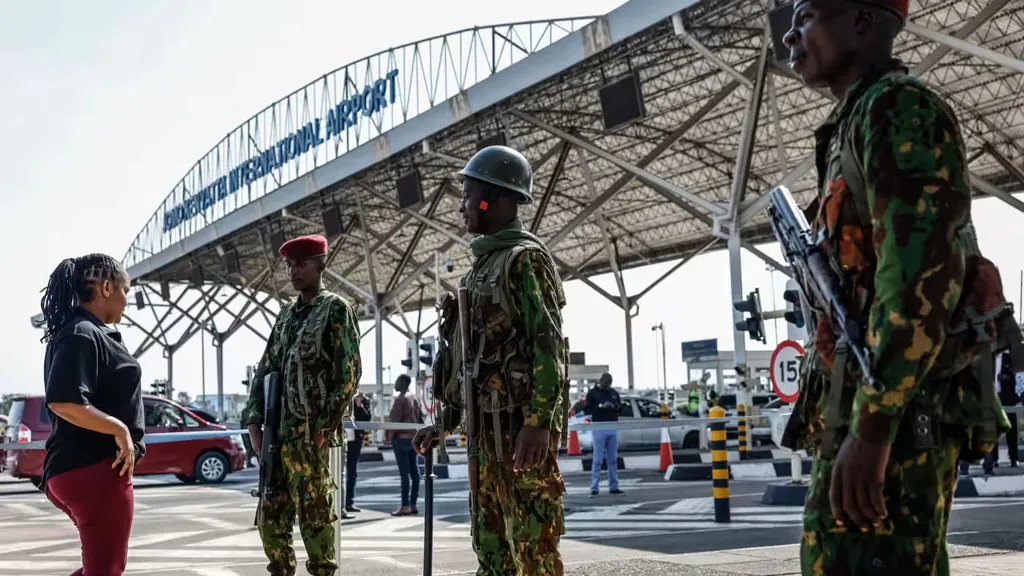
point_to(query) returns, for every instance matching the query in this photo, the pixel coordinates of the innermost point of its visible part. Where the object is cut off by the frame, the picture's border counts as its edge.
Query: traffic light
(410, 355)
(795, 315)
(427, 359)
(794, 312)
(754, 326)
(159, 387)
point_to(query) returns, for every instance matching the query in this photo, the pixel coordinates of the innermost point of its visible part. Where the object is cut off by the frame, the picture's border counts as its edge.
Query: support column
(379, 324)
(169, 354)
(736, 280)
(219, 344)
(629, 346)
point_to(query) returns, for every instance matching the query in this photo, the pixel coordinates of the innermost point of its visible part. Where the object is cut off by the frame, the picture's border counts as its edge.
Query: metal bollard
(719, 466)
(428, 502)
(741, 432)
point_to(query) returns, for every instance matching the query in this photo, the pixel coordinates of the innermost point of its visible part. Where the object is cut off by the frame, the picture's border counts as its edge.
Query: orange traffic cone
(574, 444)
(666, 451)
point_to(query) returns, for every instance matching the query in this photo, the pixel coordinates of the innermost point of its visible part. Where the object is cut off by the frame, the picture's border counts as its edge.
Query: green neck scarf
(509, 236)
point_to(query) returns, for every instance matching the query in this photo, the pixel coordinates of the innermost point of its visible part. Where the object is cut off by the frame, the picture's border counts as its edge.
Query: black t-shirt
(86, 363)
(598, 396)
(362, 410)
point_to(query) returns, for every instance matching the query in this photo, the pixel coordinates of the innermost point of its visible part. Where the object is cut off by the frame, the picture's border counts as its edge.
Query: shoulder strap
(853, 169)
(548, 263)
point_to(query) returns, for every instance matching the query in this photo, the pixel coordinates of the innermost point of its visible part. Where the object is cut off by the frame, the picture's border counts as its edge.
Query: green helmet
(504, 167)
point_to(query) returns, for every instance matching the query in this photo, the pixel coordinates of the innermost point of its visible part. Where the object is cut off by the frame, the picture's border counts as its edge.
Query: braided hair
(72, 283)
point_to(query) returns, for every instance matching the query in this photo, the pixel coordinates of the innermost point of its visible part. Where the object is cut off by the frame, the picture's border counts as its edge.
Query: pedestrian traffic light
(427, 359)
(754, 326)
(410, 358)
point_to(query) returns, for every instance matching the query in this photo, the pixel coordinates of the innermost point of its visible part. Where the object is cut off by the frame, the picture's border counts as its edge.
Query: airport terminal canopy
(653, 131)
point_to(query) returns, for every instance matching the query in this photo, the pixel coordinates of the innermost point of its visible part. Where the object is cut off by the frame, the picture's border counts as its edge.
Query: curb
(992, 486)
(737, 471)
(787, 494)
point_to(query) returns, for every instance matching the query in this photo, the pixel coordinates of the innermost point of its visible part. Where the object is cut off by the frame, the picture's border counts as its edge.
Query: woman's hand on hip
(125, 452)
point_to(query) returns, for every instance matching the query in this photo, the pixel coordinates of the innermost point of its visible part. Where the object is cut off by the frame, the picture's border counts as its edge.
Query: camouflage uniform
(520, 368)
(902, 249)
(315, 347)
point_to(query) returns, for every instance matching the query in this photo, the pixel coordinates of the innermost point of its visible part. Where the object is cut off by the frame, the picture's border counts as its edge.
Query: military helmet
(504, 167)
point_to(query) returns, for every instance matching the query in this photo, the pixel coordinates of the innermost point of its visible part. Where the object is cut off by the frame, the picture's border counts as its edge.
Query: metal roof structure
(725, 122)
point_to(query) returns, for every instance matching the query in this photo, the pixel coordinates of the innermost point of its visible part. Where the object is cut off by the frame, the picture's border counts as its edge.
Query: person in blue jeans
(406, 408)
(602, 403)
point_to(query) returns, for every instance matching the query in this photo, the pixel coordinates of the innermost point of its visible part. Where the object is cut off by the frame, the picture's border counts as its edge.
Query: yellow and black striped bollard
(462, 439)
(719, 466)
(741, 432)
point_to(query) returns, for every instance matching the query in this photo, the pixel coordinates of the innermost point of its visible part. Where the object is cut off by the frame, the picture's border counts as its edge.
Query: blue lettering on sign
(344, 115)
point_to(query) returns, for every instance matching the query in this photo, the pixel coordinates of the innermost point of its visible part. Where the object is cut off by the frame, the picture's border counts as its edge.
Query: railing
(332, 115)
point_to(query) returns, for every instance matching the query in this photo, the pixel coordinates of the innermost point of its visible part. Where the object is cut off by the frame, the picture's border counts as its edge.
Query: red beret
(304, 247)
(901, 7)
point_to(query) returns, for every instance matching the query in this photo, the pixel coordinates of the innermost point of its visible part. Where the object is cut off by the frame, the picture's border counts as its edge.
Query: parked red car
(209, 460)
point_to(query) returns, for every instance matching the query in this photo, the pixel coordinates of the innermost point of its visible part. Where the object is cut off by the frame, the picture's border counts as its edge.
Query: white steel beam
(741, 172)
(966, 47)
(680, 29)
(646, 177)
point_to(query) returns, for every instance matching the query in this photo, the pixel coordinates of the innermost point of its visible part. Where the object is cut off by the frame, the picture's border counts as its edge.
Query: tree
(5, 403)
(184, 399)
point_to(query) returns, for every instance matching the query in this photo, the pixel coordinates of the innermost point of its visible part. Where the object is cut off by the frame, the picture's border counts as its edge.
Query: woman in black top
(94, 395)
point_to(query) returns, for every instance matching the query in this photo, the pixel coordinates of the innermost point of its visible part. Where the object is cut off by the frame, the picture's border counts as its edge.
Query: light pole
(664, 371)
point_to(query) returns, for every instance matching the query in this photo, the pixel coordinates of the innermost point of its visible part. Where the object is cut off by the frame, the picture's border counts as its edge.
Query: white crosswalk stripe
(203, 544)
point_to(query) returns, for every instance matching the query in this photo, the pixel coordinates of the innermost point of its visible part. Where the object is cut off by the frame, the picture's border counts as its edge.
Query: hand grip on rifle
(818, 278)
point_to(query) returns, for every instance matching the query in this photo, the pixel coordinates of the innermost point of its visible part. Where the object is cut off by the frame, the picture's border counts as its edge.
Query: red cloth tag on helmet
(483, 205)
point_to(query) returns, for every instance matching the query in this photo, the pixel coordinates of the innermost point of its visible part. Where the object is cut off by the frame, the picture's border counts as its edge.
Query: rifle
(820, 281)
(470, 407)
(270, 451)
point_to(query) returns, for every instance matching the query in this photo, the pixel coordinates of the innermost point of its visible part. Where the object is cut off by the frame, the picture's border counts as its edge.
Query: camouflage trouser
(521, 516)
(308, 489)
(910, 542)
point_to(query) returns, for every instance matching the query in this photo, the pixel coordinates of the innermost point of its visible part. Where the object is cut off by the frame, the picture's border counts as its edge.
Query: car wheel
(211, 468)
(691, 441)
(186, 479)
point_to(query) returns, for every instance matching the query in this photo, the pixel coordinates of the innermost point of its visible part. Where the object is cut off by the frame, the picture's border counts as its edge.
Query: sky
(107, 104)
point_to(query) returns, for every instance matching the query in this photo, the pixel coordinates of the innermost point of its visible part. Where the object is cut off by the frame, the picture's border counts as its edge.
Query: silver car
(637, 408)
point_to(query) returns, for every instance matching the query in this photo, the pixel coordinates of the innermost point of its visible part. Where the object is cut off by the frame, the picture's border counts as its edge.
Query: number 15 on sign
(785, 370)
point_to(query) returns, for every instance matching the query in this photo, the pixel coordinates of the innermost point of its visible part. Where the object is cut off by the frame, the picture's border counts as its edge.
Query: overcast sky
(107, 104)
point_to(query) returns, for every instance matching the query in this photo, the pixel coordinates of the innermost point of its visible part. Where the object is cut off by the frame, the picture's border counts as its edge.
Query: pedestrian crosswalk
(211, 533)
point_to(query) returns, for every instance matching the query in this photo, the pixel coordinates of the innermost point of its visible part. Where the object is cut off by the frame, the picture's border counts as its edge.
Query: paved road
(207, 531)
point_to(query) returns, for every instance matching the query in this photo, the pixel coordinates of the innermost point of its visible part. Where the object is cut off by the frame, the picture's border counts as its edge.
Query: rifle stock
(270, 451)
(820, 282)
(470, 407)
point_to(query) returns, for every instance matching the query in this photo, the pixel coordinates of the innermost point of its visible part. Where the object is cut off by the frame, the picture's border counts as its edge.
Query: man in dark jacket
(361, 412)
(602, 403)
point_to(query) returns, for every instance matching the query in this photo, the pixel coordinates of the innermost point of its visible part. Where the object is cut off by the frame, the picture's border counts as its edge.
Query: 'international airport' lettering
(343, 116)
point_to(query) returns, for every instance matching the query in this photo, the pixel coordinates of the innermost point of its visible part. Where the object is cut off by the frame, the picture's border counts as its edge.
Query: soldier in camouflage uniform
(518, 368)
(893, 213)
(315, 347)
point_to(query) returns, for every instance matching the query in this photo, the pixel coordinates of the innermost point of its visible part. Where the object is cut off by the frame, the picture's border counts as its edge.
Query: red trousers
(101, 504)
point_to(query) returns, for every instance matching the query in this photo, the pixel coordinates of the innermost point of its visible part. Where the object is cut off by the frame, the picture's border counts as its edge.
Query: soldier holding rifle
(502, 362)
(312, 364)
(898, 380)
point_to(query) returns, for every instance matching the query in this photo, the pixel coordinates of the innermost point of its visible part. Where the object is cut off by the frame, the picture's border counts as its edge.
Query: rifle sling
(835, 397)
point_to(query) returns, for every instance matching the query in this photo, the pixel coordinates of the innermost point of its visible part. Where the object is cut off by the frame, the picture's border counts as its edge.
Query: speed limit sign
(785, 370)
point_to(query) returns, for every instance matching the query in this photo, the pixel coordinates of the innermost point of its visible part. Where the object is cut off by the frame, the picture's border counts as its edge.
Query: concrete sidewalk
(783, 561)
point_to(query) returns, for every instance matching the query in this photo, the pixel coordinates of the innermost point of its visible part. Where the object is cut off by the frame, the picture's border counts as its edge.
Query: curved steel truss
(725, 122)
